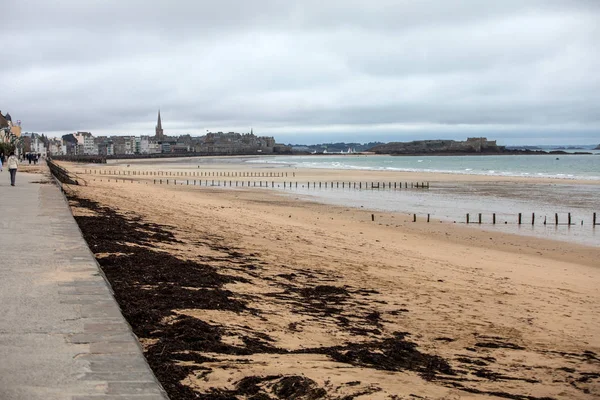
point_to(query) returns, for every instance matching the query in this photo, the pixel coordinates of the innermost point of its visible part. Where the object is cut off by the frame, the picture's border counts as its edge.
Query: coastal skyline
(308, 72)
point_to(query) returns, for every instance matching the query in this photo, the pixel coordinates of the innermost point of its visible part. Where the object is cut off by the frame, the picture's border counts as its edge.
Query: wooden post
(494, 218)
(520, 218)
(427, 217)
(467, 218)
(569, 219)
(532, 218)
(414, 217)
(372, 217)
(480, 218)
(594, 220)
(555, 218)
(545, 220)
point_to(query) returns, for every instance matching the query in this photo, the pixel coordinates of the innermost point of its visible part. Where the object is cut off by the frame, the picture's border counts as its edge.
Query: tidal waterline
(447, 199)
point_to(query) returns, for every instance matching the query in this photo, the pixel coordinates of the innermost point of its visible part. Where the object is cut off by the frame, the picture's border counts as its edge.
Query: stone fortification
(234, 143)
(469, 146)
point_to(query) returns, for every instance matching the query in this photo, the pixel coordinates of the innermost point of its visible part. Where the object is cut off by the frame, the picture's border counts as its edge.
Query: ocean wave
(309, 162)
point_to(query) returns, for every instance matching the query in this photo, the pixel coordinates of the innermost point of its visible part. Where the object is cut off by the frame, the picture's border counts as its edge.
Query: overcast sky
(306, 71)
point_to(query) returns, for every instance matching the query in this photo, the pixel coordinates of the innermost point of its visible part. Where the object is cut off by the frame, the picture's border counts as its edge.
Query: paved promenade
(62, 335)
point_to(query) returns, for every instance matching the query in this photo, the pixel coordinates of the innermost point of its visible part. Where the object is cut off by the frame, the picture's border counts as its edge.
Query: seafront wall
(62, 334)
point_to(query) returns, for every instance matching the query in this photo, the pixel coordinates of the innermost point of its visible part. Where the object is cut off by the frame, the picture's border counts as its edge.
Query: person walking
(12, 163)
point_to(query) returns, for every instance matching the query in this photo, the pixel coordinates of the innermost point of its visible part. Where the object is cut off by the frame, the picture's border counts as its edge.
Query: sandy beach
(272, 297)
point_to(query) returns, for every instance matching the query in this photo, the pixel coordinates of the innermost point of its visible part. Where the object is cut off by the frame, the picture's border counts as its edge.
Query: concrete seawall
(62, 335)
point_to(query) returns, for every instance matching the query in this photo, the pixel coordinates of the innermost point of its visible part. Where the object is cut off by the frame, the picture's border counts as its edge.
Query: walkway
(62, 335)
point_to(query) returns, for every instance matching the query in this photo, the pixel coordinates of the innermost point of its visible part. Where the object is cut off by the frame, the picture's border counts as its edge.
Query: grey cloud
(294, 67)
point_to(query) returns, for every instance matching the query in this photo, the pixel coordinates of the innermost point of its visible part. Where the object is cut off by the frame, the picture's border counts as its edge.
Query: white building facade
(86, 143)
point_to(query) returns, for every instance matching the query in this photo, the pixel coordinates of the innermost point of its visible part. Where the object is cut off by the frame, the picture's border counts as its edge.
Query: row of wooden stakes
(289, 185)
(520, 219)
(533, 218)
(190, 173)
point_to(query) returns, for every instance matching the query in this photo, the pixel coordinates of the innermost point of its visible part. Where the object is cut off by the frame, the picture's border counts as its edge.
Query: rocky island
(474, 145)
(470, 146)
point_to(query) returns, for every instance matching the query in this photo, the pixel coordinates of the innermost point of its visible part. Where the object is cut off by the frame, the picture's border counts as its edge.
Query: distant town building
(84, 143)
(87, 143)
(71, 145)
(55, 147)
(34, 143)
(9, 130)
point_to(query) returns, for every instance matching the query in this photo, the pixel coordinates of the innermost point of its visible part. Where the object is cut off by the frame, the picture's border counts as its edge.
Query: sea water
(561, 166)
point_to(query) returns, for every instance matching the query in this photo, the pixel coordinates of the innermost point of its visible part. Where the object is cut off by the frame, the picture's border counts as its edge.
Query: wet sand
(249, 294)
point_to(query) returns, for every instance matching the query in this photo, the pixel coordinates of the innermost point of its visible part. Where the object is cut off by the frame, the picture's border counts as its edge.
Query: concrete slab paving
(62, 335)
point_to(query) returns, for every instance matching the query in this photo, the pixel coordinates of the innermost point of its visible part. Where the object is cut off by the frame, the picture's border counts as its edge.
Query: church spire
(159, 129)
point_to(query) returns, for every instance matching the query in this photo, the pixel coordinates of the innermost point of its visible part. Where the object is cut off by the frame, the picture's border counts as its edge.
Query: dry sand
(511, 315)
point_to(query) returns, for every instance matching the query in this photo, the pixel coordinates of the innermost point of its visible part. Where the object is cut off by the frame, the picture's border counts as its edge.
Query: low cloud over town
(306, 71)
